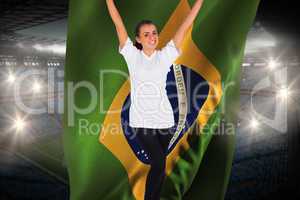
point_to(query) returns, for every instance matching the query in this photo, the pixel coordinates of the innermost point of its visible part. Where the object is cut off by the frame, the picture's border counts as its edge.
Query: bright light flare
(36, 87)
(11, 78)
(19, 124)
(272, 64)
(283, 93)
(254, 124)
(58, 49)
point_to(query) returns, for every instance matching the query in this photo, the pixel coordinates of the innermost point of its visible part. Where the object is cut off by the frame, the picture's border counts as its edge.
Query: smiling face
(148, 36)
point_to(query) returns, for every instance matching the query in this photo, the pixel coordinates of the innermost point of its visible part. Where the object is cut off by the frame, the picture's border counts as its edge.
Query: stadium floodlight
(272, 64)
(59, 49)
(19, 124)
(11, 78)
(283, 93)
(254, 124)
(246, 64)
(36, 87)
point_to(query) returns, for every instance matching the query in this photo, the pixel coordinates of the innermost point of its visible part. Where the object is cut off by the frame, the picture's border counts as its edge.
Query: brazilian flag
(103, 158)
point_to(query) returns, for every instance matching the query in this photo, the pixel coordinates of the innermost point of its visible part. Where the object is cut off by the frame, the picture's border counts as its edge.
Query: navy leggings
(155, 142)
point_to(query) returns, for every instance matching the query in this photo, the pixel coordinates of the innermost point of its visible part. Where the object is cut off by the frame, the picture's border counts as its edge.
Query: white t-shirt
(150, 106)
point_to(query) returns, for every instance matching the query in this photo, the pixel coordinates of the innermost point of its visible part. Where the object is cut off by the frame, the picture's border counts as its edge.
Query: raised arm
(116, 18)
(179, 35)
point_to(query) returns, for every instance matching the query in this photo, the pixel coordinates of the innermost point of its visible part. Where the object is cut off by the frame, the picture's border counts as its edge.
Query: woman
(151, 114)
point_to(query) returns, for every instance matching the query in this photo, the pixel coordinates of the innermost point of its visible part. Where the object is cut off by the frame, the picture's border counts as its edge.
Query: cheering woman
(151, 114)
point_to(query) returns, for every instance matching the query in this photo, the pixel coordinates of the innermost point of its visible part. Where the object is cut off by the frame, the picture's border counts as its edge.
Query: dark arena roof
(17, 15)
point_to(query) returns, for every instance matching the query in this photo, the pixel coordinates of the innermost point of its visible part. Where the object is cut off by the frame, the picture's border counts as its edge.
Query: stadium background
(33, 36)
